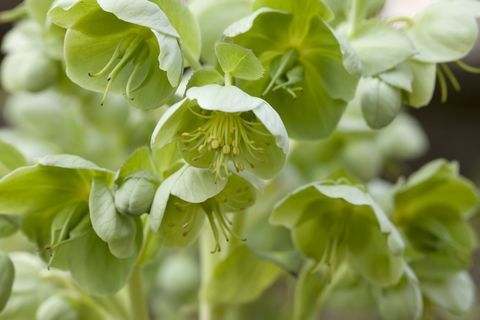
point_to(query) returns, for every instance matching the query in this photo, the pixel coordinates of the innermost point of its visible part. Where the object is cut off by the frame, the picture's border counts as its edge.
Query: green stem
(356, 15)
(194, 64)
(228, 79)
(138, 302)
(15, 14)
(208, 260)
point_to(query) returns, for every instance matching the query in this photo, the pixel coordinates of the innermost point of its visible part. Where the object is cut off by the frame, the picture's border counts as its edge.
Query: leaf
(238, 61)
(7, 275)
(9, 224)
(380, 47)
(381, 103)
(445, 31)
(139, 160)
(10, 158)
(111, 226)
(240, 278)
(95, 269)
(205, 76)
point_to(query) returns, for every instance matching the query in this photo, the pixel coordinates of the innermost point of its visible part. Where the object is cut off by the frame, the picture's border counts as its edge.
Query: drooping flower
(129, 47)
(310, 71)
(191, 195)
(334, 221)
(218, 127)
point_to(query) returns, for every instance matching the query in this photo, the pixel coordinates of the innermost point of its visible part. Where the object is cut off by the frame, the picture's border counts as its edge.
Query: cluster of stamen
(129, 50)
(228, 137)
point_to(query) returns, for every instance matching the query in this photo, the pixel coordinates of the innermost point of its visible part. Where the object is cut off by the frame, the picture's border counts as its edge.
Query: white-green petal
(230, 99)
(140, 12)
(170, 58)
(354, 196)
(273, 123)
(244, 25)
(196, 185)
(167, 126)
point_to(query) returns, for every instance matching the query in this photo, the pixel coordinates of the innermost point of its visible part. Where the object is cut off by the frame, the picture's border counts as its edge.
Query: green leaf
(139, 160)
(238, 62)
(445, 31)
(118, 230)
(10, 158)
(7, 275)
(381, 103)
(380, 47)
(9, 224)
(205, 76)
(51, 189)
(240, 278)
(96, 270)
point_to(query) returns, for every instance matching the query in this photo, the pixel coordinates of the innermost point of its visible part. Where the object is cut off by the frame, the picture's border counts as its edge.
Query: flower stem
(138, 302)
(208, 260)
(15, 14)
(194, 64)
(356, 15)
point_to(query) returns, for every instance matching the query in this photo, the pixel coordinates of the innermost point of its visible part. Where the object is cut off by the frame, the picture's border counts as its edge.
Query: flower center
(133, 50)
(285, 72)
(228, 136)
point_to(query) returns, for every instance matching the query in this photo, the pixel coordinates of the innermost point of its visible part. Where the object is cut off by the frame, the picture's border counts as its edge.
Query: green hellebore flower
(135, 195)
(310, 71)
(217, 126)
(332, 222)
(126, 46)
(432, 208)
(187, 197)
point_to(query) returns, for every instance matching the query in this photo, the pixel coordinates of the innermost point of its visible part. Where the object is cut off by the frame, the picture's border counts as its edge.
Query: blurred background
(453, 128)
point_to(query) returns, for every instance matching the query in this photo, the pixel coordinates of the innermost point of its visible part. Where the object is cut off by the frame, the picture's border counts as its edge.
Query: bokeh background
(453, 128)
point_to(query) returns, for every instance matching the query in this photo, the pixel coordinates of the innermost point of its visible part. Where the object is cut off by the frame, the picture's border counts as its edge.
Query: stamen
(227, 136)
(286, 62)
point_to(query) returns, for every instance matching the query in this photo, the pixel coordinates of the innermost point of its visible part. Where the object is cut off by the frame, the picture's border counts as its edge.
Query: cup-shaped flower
(431, 209)
(310, 71)
(187, 197)
(333, 222)
(125, 46)
(225, 129)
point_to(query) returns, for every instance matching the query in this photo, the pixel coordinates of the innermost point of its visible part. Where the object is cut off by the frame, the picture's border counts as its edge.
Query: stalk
(138, 300)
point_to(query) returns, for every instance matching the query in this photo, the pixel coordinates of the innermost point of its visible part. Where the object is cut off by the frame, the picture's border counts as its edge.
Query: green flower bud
(135, 195)
(29, 71)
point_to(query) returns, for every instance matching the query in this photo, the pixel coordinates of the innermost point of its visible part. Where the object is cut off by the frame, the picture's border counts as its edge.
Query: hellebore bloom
(126, 46)
(219, 126)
